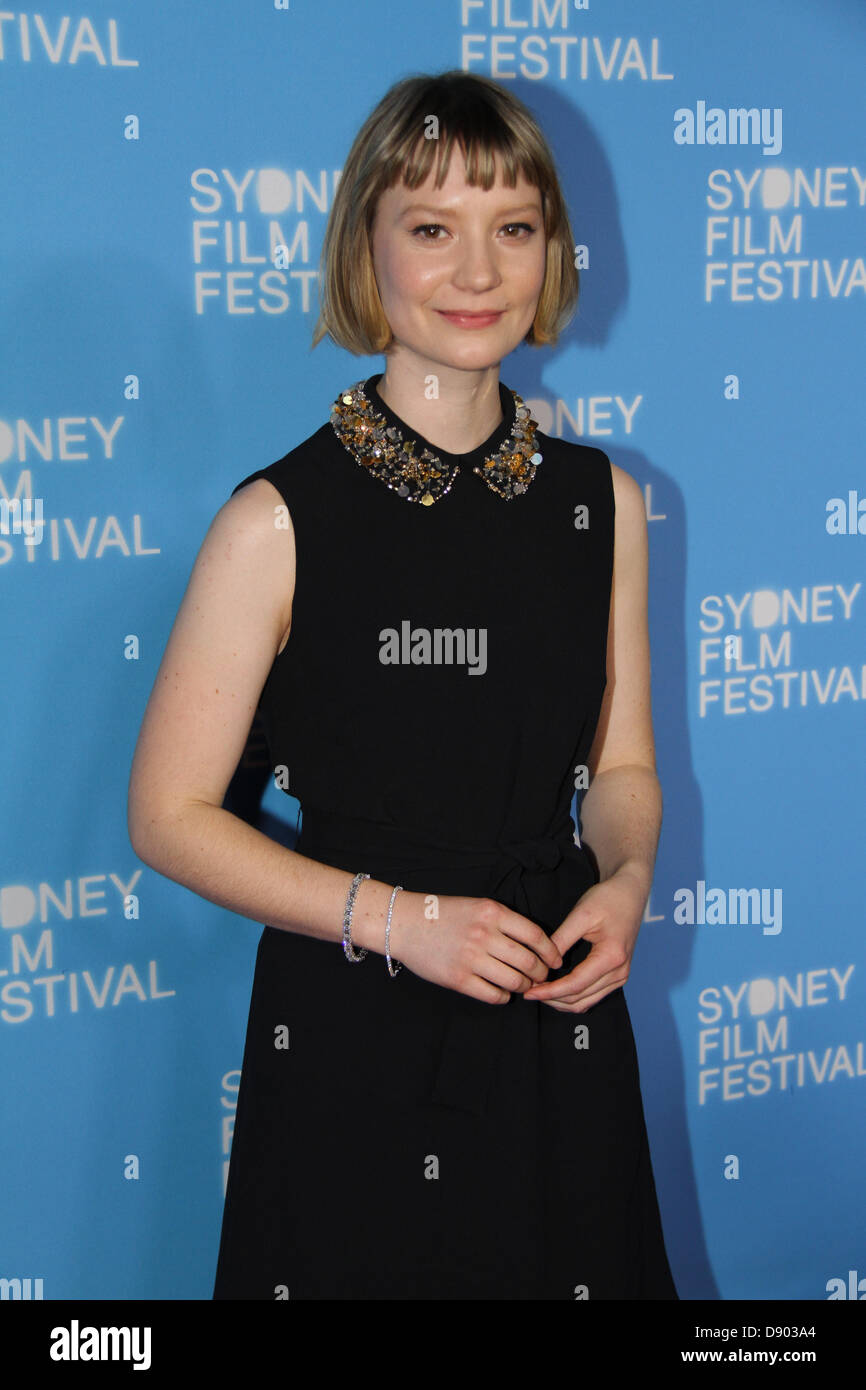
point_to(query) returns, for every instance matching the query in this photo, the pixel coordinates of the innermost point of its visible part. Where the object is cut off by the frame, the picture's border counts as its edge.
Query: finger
(587, 998)
(525, 969)
(567, 934)
(583, 919)
(547, 950)
(501, 974)
(479, 988)
(530, 966)
(529, 935)
(591, 974)
(578, 1006)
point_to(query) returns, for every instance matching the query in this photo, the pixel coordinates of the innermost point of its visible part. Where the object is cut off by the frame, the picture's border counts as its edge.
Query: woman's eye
(421, 232)
(428, 227)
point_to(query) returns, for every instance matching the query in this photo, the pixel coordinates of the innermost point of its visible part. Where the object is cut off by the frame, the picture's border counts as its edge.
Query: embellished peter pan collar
(376, 439)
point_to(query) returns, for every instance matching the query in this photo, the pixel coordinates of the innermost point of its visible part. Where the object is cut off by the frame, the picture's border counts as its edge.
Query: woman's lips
(470, 320)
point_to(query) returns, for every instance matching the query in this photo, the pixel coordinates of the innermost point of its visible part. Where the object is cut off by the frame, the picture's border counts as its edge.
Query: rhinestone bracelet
(392, 973)
(348, 948)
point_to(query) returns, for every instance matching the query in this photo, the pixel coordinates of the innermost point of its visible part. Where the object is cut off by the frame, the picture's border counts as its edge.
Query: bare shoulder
(630, 537)
(627, 494)
(256, 509)
(253, 529)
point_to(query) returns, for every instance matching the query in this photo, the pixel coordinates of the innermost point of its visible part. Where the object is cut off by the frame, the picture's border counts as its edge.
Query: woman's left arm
(622, 811)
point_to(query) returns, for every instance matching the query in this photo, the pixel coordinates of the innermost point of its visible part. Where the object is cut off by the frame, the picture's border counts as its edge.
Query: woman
(444, 630)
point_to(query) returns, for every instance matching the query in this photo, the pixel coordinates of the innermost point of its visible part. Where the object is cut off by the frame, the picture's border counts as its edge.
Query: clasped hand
(609, 916)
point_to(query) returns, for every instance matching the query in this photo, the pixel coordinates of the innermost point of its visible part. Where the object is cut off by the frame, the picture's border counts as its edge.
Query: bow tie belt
(473, 1033)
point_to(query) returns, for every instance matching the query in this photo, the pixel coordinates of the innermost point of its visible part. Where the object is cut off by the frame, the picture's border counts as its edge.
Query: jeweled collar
(424, 477)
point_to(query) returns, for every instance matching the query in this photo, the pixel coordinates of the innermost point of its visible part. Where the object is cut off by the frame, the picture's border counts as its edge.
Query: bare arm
(622, 810)
(234, 617)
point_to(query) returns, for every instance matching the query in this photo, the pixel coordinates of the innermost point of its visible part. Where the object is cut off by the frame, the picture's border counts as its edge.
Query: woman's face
(459, 248)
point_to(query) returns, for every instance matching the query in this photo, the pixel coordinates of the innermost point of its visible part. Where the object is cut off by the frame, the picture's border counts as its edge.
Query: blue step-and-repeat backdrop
(714, 163)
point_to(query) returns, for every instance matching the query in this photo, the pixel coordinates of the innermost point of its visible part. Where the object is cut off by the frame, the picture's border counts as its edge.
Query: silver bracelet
(392, 973)
(348, 948)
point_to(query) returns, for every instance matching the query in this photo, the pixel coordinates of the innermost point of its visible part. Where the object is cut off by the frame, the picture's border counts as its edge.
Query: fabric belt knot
(543, 853)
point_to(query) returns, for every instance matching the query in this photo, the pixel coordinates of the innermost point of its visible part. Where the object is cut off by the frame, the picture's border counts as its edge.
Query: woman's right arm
(234, 614)
(228, 630)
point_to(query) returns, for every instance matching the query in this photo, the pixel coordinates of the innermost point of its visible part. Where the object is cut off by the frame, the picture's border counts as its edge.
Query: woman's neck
(454, 410)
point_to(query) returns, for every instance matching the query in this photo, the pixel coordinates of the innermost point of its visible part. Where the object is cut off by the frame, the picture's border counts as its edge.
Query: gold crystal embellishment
(381, 449)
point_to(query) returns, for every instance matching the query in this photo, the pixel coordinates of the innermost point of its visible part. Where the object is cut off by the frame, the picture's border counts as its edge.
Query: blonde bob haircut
(488, 123)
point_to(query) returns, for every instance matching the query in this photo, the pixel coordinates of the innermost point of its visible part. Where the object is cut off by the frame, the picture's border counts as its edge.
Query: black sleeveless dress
(411, 1142)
